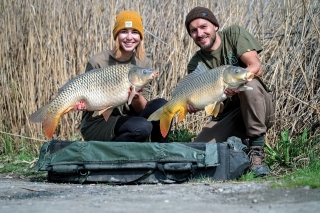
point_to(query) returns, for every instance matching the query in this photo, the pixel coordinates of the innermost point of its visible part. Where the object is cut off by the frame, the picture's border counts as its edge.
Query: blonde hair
(140, 52)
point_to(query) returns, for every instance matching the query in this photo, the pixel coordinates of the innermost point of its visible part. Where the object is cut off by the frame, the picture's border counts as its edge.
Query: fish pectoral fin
(106, 114)
(210, 108)
(223, 97)
(132, 94)
(243, 88)
(216, 110)
(97, 113)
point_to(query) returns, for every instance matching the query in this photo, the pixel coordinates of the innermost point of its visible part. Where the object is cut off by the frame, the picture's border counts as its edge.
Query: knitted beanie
(128, 19)
(200, 12)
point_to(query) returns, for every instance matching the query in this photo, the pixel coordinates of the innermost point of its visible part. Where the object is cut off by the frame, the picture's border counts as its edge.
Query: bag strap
(191, 171)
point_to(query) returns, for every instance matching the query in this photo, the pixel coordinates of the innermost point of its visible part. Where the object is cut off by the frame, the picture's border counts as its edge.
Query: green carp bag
(133, 162)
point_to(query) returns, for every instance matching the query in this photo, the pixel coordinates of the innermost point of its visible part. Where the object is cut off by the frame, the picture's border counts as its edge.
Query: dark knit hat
(200, 12)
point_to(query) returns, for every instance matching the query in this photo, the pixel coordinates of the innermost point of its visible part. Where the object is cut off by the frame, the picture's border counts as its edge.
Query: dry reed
(45, 43)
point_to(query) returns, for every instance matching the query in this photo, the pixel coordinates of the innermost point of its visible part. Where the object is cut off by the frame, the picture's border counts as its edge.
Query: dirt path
(18, 195)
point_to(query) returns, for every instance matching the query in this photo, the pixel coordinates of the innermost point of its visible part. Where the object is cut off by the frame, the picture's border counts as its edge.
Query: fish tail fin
(50, 125)
(39, 116)
(155, 116)
(165, 123)
(165, 117)
(49, 120)
(165, 114)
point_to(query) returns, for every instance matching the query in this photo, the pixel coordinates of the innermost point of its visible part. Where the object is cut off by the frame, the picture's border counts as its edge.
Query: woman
(126, 122)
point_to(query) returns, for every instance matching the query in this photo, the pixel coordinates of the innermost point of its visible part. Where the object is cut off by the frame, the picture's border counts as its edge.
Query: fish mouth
(249, 76)
(155, 74)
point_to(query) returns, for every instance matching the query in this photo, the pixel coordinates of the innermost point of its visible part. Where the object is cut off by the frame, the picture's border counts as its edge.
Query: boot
(257, 166)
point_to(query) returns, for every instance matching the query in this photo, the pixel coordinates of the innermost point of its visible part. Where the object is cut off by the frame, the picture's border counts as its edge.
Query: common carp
(203, 89)
(99, 90)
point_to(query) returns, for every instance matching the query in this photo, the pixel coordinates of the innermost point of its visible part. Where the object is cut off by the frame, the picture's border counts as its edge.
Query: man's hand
(231, 92)
(191, 109)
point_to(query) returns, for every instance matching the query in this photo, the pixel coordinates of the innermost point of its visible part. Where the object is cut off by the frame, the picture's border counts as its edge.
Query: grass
(20, 166)
(304, 177)
(298, 178)
(294, 161)
(181, 135)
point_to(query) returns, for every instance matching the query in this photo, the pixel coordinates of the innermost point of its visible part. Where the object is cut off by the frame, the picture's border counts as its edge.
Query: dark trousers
(138, 128)
(253, 117)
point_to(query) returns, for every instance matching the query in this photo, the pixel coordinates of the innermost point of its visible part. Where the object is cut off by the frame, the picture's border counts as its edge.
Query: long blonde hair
(140, 52)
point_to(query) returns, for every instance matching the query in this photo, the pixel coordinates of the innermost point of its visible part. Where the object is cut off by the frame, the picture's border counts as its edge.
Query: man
(248, 114)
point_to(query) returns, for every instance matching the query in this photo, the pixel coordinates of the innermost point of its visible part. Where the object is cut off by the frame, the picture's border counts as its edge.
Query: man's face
(203, 33)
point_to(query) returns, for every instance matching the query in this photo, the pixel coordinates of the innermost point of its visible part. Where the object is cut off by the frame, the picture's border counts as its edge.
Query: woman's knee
(156, 103)
(145, 126)
(152, 106)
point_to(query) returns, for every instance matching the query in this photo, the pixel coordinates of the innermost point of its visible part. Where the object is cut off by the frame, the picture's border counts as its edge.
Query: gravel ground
(23, 195)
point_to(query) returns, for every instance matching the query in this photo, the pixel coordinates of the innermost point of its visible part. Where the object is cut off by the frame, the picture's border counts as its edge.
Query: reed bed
(46, 43)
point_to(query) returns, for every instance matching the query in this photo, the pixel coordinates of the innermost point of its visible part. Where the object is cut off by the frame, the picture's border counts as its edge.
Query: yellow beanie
(128, 19)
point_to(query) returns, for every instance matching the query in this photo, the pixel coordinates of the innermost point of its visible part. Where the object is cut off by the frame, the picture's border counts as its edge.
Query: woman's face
(129, 39)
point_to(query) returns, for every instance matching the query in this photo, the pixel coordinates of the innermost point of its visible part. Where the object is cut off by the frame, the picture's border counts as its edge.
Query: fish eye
(144, 71)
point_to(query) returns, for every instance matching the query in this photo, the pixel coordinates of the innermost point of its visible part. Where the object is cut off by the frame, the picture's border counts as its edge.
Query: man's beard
(207, 47)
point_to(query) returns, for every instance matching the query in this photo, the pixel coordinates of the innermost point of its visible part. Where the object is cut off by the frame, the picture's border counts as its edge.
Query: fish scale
(203, 89)
(100, 89)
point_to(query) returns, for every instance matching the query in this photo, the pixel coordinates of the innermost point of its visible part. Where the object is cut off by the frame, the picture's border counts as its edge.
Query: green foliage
(183, 135)
(296, 152)
(302, 177)
(20, 165)
(17, 156)
(249, 176)
(5, 145)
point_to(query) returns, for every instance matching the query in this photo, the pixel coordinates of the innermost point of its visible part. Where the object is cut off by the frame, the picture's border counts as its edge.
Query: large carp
(99, 90)
(203, 89)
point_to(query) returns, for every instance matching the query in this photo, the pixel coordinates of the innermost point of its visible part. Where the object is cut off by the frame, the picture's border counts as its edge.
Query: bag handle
(191, 170)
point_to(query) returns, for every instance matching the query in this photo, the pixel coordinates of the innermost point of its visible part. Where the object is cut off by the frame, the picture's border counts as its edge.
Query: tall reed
(46, 43)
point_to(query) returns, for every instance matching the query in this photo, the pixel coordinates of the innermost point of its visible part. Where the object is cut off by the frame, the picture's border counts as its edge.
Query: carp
(99, 90)
(203, 89)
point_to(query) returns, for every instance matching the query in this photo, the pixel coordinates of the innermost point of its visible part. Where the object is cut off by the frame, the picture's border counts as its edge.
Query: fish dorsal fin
(201, 68)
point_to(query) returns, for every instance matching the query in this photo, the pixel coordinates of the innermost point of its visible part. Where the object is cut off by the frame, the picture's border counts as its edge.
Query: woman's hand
(138, 102)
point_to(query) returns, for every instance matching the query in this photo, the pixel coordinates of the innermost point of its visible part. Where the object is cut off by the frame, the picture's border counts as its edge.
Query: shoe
(257, 166)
